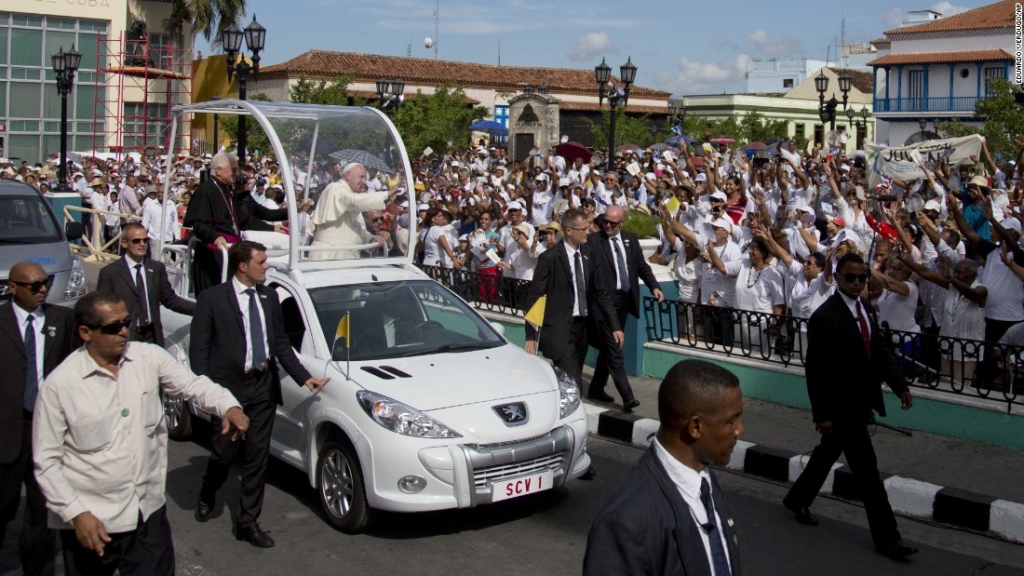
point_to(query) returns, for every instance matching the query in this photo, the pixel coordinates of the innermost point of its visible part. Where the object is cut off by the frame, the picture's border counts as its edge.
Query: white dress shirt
(619, 247)
(687, 481)
(243, 304)
(100, 440)
(852, 303)
(572, 273)
(38, 321)
(144, 295)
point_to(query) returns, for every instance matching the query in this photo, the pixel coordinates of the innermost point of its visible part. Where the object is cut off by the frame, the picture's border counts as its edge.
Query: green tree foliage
(334, 93)
(639, 130)
(204, 16)
(1004, 121)
(753, 127)
(436, 119)
(256, 139)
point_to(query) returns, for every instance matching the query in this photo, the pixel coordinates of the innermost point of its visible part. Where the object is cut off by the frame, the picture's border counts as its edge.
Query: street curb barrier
(909, 497)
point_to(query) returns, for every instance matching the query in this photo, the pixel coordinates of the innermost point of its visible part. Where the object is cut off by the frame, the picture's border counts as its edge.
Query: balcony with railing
(961, 104)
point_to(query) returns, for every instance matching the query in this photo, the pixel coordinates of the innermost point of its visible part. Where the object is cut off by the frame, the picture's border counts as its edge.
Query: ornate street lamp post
(238, 67)
(65, 64)
(827, 110)
(390, 101)
(616, 96)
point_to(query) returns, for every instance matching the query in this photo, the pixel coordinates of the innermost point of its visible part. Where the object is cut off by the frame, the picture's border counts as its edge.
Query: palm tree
(204, 17)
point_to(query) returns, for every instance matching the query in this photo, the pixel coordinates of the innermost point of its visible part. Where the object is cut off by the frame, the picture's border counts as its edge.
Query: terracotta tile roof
(325, 64)
(408, 96)
(942, 57)
(998, 15)
(631, 109)
(877, 43)
(862, 81)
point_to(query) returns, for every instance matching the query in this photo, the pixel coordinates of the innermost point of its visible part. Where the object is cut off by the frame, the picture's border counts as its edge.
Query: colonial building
(128, 77)
(937, 70)
(560, 99)
(797, 106)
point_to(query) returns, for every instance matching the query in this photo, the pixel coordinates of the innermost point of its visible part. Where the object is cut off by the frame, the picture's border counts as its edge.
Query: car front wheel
(339, 480)
(179, 419)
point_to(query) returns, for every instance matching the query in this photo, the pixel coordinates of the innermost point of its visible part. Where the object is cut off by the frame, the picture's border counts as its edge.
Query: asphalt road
(544, 534)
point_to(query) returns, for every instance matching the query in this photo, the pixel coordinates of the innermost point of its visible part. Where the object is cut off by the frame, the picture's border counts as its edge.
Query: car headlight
(568, 393)
(402, 419)
(76, 281)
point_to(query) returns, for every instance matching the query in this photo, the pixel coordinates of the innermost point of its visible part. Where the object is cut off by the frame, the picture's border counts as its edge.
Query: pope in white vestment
(338, 219)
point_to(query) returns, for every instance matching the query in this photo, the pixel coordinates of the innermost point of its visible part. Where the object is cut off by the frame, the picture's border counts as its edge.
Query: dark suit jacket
(14, 360)
(637, 268)
(646, 528)
(841, 381)
(209, 217)
(217, 347)
(553, 278)
(115, 277)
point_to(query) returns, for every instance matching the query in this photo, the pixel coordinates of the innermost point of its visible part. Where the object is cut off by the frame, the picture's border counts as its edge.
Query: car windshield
(399, 319)
(25, 219)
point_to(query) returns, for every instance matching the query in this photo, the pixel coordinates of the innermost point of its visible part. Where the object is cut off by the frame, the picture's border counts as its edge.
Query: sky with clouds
(684, 48)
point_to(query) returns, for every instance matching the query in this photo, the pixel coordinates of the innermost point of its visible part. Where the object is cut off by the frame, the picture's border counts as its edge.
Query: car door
(290, 424)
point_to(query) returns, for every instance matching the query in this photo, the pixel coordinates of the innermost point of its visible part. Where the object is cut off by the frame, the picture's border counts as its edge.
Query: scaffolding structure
(138, 83)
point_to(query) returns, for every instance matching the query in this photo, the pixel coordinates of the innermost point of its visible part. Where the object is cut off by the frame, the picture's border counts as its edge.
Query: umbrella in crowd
(490, 127)
(678, 139)
(758, 150)
(628, 148)
(573, 150)
(722, 140)
(362, 157)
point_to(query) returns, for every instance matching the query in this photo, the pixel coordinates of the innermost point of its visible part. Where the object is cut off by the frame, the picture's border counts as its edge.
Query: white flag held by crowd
(900, 162)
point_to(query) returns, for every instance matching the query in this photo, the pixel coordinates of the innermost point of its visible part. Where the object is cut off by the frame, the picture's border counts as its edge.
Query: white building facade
(928, 73)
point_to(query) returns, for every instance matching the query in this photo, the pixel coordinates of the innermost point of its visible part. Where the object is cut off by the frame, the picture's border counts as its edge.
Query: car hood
(54, 257)
(454, 379)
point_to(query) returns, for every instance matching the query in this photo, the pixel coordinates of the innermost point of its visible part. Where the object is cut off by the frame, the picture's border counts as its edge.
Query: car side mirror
(73, 231)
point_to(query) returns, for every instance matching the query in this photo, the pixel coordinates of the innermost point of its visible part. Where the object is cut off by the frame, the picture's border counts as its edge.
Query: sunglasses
(613, 223)
(851, 278)
(376, 219)
(136, 240)
(34, 286)
(114, 328)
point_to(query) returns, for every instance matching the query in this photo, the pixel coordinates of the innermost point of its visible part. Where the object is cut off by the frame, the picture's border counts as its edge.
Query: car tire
(339, 481)
(179, 419)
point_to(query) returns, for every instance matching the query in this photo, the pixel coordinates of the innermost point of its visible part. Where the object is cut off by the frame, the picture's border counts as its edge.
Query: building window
(144, 125)
(501, 115)
(990, 73)
(799, 130)
(787, 83)
(915, 91)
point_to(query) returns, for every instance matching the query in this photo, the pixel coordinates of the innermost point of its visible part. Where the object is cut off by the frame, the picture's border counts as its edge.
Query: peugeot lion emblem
(512, 414)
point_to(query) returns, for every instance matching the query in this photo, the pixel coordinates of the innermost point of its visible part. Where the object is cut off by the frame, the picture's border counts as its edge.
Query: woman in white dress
(439, 243)
(897, 306)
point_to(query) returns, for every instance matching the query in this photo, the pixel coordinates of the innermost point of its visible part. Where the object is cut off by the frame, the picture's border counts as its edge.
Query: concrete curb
(908, 497)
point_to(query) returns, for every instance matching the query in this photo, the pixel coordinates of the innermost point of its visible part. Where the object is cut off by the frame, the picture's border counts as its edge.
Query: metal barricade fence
(985, 370)
(491, 292)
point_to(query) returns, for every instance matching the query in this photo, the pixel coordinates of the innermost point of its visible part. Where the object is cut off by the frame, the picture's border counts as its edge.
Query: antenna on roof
(437, 26)
(408, 51)
(499, 50)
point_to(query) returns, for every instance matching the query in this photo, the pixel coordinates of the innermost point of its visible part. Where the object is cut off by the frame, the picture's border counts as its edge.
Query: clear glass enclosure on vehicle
(311, 144)
(399, 319)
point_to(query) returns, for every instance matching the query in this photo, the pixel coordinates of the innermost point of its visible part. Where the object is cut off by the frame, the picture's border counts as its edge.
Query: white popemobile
(429, 407)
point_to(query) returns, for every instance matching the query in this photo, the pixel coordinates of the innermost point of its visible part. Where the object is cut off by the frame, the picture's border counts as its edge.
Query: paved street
(540, 535)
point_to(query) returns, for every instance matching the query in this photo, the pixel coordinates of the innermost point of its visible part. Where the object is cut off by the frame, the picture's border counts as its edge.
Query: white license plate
(522, 486)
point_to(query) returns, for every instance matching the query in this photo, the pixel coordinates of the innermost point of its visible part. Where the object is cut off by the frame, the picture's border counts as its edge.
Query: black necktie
(581, 286)
(140, 290)
(259, 353)
(620, 261)
(31, 370)
(718, 557)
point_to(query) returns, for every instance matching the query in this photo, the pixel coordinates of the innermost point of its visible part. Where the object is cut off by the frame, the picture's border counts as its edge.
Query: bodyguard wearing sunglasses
(847, 361)
(100, 440)
(143, 285)
(35, 337)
